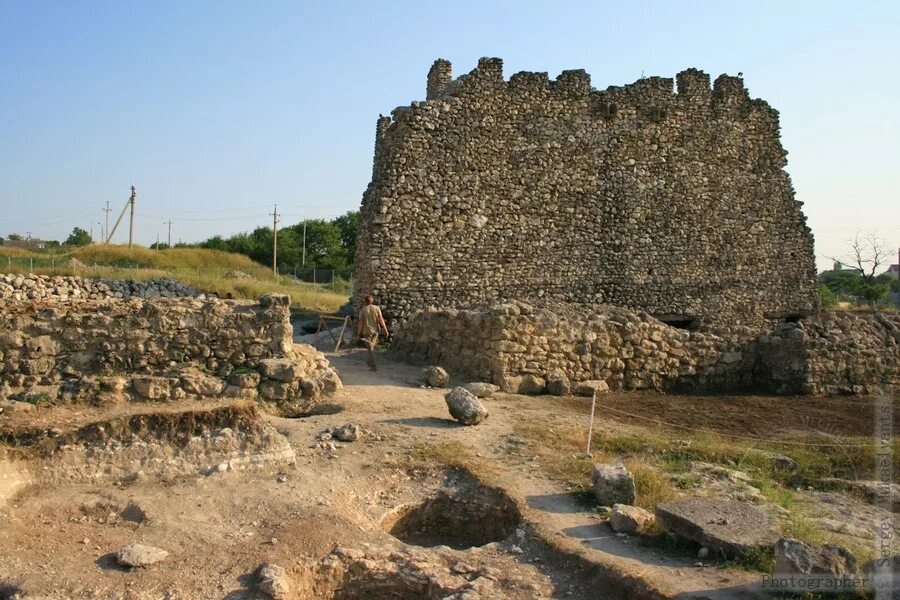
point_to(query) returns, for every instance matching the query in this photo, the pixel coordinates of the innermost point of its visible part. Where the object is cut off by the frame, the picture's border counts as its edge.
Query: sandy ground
(55, 541)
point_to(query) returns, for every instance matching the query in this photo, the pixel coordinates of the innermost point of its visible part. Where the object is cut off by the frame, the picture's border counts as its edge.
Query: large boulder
(613, 484)
(793, 557)
(139, 555)
(559, 386)
(630, 519)
(532, 385)
(273, 581)
(587, 388)
(435, 377)
(482, 390)
(465, 407)
(728, 527)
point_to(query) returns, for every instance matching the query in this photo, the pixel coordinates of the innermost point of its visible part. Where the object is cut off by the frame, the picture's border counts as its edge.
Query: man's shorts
(370, 341)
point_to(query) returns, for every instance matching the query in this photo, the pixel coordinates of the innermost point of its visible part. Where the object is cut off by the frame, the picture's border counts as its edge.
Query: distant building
(839, 266)
(893, 271)
(29, 244)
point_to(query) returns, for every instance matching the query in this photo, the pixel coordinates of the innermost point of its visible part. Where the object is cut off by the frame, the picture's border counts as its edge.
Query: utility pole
(169, 223)
(107, 211)
(131, 219)
(303, 260)
(275, 241)
(157, 241)
(92, 232)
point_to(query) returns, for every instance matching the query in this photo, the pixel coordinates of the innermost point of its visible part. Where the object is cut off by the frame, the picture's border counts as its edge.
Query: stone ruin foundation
(530, 349)
(110, 350)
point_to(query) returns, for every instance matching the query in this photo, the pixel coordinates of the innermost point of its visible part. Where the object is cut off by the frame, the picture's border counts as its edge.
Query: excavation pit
(465, 518)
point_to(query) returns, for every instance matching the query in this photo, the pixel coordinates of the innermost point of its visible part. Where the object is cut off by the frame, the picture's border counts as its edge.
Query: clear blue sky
(217, 110)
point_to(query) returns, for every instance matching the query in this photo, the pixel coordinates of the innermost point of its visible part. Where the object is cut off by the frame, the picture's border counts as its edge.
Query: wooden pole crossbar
(323, 319)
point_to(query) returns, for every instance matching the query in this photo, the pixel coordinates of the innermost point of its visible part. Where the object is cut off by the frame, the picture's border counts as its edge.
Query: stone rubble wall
(522, 348)
(832, 353)
(16, 288)
(529, 189)
(159, 350)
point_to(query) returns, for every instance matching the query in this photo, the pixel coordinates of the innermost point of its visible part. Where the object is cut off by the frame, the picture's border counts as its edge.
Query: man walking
(370, 322)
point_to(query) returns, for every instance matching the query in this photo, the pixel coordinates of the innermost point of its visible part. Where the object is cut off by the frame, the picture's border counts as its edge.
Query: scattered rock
(237, 274)
(875, 492)
(139, 555)
(345, 433)
(559, 386)
(135, 513)
(703, 552)
(630, 519)
(587, 388)
(435, 377)
(273, 581)
(724, 526)
(784, 463)
(482, 390)
(465, 407)
(532, 385)
(793, 557)
(613, 484)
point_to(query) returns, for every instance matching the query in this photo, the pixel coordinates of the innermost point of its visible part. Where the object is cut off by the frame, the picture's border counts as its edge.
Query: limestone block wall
(16, 287)
(832, 353)
(521, 347)
(671, 202)
(159, 350)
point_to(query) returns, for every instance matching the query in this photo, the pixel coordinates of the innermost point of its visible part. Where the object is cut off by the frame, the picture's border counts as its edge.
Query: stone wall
(676, 204)
(521, 348)
(833, 353)
(159, 350)
(15, 287)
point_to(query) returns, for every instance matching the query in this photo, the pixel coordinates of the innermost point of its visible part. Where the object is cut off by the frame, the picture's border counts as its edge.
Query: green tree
(348, 224)
(15, 237)
(827, 299)
(324, 249)
(78, 237)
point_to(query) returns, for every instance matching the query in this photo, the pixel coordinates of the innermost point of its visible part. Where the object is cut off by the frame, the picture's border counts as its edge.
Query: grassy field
(208, 270)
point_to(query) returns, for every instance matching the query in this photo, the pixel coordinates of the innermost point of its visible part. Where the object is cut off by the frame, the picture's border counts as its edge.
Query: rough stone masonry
(161, 349)
(672, 203)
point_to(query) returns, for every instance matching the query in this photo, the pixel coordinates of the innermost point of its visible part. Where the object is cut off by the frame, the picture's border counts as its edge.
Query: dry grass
(661, 461)
(203, 269)
(455, 455)
(560, 452)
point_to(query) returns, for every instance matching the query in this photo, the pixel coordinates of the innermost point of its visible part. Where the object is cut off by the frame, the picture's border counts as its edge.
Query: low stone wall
(522, 348)
(159, 350)
(17, 288)
(529, 349)
(832, 353)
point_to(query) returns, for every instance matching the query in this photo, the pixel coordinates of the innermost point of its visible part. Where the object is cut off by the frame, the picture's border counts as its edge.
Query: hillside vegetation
(210, 270)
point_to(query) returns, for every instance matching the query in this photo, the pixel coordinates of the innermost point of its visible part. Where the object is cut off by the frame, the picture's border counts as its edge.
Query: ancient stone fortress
(539, 233)
(672, 203)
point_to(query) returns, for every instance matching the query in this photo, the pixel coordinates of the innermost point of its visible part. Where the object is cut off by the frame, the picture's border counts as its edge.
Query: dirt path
(55, 541)
(421, 415)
